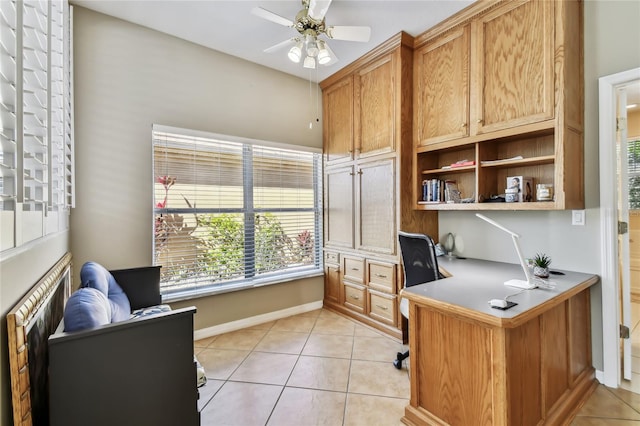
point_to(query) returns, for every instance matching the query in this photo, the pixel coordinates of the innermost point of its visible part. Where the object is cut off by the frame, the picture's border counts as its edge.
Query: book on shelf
(502, 160)
(439, 191)
(463, 163)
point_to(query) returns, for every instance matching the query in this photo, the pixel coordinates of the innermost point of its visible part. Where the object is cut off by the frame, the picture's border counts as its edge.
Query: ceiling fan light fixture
(309, 62)
(295, 54)
(323, 54)
(311, 45)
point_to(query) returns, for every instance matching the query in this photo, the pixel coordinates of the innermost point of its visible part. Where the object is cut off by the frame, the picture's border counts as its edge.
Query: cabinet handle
(464, 125)
(384, 308)
(480, 120)
(354, 297)
(355, 269)
(351, 173)
(381, 276)
(360, 171)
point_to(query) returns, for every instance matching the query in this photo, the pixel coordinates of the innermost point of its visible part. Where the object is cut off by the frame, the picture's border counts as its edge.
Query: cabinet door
(338, 207)
(332, 283)
(338, 121)
(515, 66)
(441, 87)
(376, 206)
(375, 108)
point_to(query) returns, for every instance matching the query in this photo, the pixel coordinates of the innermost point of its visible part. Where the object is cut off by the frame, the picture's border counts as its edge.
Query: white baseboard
(256, 320)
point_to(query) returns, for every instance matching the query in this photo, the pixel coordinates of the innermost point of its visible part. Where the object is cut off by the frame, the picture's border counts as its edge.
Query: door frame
(609, 274)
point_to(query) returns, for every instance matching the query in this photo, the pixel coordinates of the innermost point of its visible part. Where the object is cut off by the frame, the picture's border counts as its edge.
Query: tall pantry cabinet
(368, 164)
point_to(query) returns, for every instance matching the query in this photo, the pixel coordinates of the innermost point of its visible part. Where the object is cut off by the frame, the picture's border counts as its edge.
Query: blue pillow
(96, 276)
(86, 308)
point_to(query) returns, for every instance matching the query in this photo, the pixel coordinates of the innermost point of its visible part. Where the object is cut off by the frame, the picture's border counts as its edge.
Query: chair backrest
(418, 258)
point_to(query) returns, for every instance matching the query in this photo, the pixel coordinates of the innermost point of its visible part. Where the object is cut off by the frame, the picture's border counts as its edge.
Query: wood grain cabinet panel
(374, 108)
(441, 87)
(515, 65)
(337, 131)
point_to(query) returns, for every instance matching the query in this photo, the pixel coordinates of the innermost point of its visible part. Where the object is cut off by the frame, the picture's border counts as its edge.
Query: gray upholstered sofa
(135, 370)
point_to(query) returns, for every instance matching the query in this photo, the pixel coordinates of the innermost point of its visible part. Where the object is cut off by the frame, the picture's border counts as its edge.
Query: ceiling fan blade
(280, 45)
(318, 8)
(270, 16)
(349, 33)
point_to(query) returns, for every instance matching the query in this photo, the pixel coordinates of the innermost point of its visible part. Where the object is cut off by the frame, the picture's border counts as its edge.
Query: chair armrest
(141, 285)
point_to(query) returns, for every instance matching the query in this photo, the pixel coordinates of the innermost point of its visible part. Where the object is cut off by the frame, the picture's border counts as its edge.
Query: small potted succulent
(541, 264)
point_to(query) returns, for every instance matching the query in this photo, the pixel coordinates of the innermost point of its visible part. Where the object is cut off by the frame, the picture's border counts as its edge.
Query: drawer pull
(355, 269)
(384, 308)
(354, 297)
(381, 276)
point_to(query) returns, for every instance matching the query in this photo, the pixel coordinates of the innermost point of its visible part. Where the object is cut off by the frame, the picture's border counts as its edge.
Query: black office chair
(420, 266)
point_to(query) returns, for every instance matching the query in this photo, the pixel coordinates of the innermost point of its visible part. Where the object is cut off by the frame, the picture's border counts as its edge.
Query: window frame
(250, 279)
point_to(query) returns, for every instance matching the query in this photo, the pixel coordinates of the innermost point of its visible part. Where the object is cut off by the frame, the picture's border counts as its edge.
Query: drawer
(383, 307)
(332, 258)
(353, 268)
(354, 297)
(382, 276)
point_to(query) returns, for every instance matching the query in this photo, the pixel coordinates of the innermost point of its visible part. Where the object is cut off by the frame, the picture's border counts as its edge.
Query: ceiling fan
(310, 24)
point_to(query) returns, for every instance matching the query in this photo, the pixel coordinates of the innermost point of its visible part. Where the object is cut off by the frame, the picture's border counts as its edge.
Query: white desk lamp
(528, 284)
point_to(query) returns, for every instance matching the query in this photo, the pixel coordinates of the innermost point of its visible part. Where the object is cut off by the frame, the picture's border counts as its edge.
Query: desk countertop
(473, 282)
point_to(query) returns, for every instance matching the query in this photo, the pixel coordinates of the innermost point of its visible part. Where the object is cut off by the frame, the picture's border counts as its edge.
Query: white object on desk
(528, 284)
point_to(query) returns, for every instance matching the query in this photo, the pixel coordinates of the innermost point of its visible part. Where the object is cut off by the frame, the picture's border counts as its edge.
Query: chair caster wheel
(397, 364)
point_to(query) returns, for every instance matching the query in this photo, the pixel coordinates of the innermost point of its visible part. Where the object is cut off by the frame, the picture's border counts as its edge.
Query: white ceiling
(229, 27)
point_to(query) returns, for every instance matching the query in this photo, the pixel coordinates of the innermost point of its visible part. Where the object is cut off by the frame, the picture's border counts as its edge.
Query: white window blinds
(35, 111)
(230, 213)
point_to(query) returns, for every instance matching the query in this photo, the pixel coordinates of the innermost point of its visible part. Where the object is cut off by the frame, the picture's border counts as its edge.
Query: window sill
(214, 290)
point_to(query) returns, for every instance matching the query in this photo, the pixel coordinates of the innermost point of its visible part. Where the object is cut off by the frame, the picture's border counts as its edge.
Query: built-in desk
(471, 364)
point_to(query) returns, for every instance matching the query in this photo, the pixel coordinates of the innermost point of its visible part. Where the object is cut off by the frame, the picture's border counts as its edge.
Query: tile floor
(320, 368)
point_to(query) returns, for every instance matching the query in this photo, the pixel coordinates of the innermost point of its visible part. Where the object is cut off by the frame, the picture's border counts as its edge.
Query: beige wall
(126, 79)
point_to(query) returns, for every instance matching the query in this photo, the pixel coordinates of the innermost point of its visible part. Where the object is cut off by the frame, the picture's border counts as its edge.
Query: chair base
(399, 358)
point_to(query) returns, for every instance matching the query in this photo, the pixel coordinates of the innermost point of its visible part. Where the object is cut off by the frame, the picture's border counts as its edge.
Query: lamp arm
(527, 273)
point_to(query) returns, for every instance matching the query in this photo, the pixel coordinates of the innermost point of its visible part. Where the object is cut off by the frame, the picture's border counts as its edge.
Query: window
(36, 141)
(231, 213)
(633, 148)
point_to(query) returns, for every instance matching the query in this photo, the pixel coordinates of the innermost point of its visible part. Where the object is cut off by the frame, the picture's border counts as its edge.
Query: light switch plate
(577, 217)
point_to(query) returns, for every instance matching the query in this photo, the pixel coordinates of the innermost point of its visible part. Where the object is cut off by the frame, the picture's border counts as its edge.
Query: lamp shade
(295, 54)
(309, 62)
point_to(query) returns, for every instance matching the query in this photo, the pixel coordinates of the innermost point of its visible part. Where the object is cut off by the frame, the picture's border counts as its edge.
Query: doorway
(618, 182)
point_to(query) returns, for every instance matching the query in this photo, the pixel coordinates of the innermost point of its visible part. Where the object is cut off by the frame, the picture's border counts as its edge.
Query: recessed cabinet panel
(442, 88)
(353, 269)
(354, 297)
(383, 307)
(338, 122)
(338, 207)
(374, 118)
(381, 276)
(376, 212)
(332, 283)
(515, 65)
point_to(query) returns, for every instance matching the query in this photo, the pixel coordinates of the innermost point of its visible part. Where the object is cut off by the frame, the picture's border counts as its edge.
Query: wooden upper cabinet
(374, 117)
(441, 88)
(514, 66)
(338, 121)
